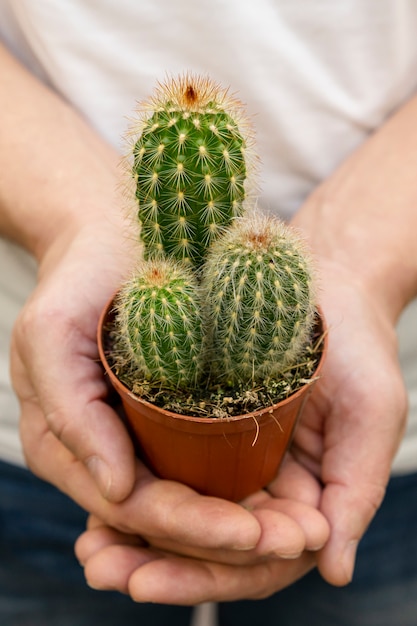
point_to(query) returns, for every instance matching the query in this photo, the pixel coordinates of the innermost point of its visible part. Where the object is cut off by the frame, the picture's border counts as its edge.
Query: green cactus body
(189, 167)
(158, 325)
(259, 301)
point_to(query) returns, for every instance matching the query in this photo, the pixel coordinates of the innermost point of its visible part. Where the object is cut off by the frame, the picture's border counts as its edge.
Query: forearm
(364, 216)
(56, 173)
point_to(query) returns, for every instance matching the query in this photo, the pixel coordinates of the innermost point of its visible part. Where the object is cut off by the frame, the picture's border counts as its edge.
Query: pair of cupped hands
(160, 541)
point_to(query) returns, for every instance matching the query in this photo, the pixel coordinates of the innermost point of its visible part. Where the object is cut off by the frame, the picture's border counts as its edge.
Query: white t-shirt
(317, 77)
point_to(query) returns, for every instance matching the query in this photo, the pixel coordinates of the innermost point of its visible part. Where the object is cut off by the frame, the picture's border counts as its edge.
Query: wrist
(364, 216)
(57, 173)
(365, 249)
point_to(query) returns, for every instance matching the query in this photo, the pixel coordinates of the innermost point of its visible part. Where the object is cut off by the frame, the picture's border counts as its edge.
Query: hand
(54, 361)
(152, 570)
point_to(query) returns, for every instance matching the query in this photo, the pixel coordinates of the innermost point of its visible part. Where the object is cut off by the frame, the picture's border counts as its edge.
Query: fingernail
(348, 559)
(95, 587)
(317, 547)
(101, 474)
(286, 556)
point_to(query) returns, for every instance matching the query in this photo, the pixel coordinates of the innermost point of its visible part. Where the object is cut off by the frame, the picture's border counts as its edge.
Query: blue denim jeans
(41, 583)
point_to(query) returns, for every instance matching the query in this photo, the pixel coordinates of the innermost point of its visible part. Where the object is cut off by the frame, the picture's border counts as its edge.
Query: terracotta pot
(225, 457)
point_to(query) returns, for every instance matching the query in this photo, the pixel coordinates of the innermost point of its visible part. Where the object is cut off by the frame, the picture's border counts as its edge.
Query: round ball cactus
(158, 325)
(189, 167)
(260, 305)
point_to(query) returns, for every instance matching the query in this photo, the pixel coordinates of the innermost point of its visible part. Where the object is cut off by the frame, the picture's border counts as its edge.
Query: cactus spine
(158, 323)
(259, 301)
(189, 167)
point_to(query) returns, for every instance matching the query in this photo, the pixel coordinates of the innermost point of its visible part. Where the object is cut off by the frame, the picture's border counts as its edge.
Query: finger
(311, 523)
(94, 522)
(355, 473)
(101, 422)
(295, 482)
(94, 540)
(364, 403)
(165, 509)
(112, 567)
(72, 399)
(169, 579)
(191, 582)
(349, 511)
(281, 537)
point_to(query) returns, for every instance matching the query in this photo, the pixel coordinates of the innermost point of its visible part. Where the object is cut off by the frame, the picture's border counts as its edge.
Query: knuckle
(266, 584)
(41, 317)
(60, 425)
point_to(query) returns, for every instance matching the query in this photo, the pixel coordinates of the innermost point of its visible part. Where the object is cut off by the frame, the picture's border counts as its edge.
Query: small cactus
(158, 325)
(189, 167)
(260, 309)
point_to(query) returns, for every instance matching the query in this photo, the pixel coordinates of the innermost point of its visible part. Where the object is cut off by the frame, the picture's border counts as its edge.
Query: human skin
(143, 530)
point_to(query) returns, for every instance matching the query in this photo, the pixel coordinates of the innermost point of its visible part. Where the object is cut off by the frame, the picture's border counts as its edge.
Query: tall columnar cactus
(158, 321)
(189, 167)
(260, 305)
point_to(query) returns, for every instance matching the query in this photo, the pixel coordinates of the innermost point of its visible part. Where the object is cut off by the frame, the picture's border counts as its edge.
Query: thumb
(349, 511)
(55, 366)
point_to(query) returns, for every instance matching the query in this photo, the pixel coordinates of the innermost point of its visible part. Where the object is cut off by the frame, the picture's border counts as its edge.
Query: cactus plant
(260, 301)
(190, 162)
(245, 317)
(219, 321)
(158, 324)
